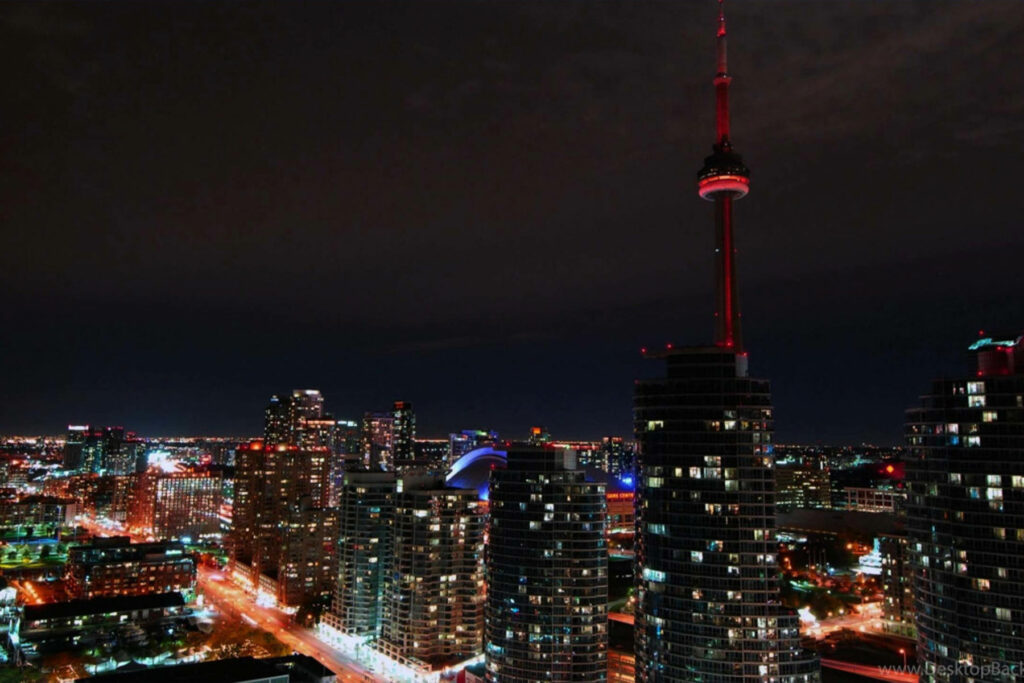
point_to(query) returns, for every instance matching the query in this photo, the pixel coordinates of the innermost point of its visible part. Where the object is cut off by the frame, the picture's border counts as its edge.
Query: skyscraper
(389, 438)
(298, 420)
(547, 571)
(280, 500)
(378, 441)
(404, 442)
(178, 504)
(432, 611)
(366, 522)
(965, 518)
(708, 591)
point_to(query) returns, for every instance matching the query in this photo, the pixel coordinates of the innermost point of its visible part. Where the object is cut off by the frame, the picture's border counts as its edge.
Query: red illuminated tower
(723, 179)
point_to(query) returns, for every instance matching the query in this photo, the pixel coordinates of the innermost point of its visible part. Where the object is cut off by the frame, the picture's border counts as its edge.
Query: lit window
(989, 416)
(975, 387)
(654, 575)
(976, 401)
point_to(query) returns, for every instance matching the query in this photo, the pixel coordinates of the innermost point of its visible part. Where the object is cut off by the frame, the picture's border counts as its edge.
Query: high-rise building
(404, 442)
(298, 420)
(106, 450)
(619, 455)
(366, 521)
(184, 504)
(281, 494)
(432, 612)
(965, 518)
(378, 441)
(307, 559)
(547, 571)
(74, 445)
(707, 584)
(897, 581)
(347, 455)
(431, 458)
(389, 438)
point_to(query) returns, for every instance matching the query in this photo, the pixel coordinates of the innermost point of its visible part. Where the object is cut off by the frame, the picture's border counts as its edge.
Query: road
(229, 599)
(868, 620)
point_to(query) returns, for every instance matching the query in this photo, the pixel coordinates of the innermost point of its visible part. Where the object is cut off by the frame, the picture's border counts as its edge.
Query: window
(975, 387)
(989, 416)
(653, 575)
(976, 401)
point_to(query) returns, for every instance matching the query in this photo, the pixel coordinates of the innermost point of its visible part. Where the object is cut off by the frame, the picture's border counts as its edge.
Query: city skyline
(198, 210)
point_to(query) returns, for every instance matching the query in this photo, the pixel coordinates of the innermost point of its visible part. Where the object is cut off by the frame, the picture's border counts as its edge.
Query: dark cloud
(486, 207)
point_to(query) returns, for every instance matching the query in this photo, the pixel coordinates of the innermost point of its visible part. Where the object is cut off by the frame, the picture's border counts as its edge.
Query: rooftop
(76, 608)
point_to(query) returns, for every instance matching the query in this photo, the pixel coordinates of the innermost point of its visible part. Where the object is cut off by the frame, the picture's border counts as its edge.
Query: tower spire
(723, 179)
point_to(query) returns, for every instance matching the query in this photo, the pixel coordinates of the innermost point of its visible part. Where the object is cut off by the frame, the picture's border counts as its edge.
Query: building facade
(280, 511)
(965, 518)
(547, 571)
(897, 585)
(432, 613)
(366, 524)
(802, 487)
(708, 590)
(175, 505)
(115, 567)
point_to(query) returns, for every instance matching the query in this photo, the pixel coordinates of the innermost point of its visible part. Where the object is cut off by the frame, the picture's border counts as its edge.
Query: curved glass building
(965, 518)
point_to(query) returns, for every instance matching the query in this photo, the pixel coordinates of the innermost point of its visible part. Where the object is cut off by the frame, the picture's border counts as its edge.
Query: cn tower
(708, 595)
(724, 179)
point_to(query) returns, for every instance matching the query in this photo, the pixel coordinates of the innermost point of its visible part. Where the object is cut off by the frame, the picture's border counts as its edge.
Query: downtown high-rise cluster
(388, 543)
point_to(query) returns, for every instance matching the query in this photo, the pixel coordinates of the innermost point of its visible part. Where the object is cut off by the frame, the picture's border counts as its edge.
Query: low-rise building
(60, 626)
(109, 567)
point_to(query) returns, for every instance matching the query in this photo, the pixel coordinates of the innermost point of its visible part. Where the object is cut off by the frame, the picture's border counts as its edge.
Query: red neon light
(735, 184)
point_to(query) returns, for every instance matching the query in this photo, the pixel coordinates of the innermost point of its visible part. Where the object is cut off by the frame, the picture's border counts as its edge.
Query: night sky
(488, 207)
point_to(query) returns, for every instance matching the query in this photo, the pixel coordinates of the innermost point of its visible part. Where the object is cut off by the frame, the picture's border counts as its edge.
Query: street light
(904, 653)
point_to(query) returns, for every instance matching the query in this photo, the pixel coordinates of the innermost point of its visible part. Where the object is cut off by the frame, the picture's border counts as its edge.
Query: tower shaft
(727, 315)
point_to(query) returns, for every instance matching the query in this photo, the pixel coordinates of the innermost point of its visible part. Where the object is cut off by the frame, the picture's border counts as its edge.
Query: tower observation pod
(723, 179)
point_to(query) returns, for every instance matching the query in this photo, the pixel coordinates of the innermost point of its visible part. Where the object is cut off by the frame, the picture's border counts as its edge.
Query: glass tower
(965, 518)
(547, 571)
(708, 591)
